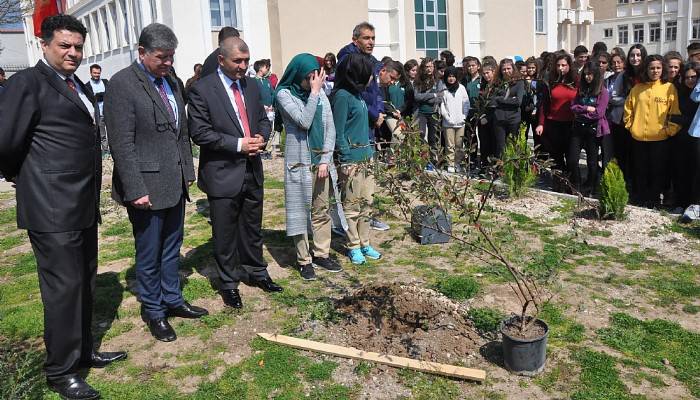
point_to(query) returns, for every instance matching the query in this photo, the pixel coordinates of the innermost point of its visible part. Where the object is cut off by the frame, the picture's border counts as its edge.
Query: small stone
(666, 362)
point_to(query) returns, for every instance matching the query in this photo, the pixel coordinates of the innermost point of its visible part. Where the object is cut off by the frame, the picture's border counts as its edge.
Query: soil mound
(408, 321)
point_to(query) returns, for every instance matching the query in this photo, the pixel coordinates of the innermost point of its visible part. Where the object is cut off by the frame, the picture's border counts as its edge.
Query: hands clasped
(253, 146)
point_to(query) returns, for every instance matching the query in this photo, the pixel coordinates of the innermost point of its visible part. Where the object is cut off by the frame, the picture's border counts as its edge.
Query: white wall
(256, 29)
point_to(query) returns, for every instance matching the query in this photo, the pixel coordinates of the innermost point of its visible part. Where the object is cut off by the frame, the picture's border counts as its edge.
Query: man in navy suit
(50, 148)
(229, 123)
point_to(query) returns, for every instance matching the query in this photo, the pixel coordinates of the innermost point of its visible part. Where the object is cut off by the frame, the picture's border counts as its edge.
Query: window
(223, 13)
(431, 26)
(623, 1)
(608, 33)
(539, 16)
(622, 34)
(654, 32)
(696, 28)
(638, 31)
(671, 30)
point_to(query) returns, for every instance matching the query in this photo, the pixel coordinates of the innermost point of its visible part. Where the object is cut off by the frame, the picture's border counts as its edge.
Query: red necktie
(241, 109)
(71, 85)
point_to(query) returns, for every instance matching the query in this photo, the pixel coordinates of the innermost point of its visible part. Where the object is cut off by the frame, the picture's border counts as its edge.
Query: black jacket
(215, 128)
(50, 146)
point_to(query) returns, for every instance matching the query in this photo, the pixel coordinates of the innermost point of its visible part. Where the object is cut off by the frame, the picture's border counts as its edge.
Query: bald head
(234, 58)
(231, 44)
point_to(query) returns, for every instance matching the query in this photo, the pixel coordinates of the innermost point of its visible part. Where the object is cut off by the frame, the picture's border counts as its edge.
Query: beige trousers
(454, 153)
(320, 223)
(357, 183)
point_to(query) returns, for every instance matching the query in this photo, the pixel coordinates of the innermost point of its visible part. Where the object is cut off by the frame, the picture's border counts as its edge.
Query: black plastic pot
(524, 356)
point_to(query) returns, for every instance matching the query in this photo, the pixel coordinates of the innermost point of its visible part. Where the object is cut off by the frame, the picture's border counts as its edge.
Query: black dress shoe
(72, 387)
(231, 298)
(161, 330)
(101, 360)
(268, 285)
(187, 311)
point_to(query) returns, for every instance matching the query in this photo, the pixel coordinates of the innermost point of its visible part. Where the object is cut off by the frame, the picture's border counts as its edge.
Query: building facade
(280, 29)
(660, 25)
(13, 51)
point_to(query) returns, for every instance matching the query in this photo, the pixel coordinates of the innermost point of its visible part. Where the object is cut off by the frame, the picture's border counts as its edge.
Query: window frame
(695, 31)
(540, 8)
(626, 31)
(673, 27)
(611, 31)
(435, 29)
(235, 14)
(638, 33)
(654, 32)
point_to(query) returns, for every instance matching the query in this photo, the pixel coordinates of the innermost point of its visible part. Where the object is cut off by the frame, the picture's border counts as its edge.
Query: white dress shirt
(227, 82)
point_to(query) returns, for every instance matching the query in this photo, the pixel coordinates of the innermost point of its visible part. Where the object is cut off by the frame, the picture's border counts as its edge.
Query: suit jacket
(152, 155)
(211, 63)
(50, 146)
(215, 128)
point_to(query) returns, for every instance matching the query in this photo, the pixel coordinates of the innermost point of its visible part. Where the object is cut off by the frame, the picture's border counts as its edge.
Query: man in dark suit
(211, 63)
(147, 124)
(50, 147)
(228, 121)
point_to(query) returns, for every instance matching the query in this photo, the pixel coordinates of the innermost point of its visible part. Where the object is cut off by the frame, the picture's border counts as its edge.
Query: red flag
(43, 9)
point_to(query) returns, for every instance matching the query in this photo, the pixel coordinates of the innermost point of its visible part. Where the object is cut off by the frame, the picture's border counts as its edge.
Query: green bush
(459, 287)
(613, 192)
(486, 319)
(518, 171)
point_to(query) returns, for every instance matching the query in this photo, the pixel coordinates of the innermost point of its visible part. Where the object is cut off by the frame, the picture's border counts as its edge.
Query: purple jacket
(601, 104)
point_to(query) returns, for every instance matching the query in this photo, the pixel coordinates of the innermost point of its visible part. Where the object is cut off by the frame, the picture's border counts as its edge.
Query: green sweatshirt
(351, 128)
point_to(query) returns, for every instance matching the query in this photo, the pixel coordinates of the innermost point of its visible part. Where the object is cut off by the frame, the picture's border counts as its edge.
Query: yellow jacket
(648, 110)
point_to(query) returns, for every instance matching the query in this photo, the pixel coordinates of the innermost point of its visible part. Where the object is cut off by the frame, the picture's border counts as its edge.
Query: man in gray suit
(150, 144)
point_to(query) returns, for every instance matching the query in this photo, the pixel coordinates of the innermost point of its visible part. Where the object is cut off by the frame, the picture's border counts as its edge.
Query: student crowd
(637, 108)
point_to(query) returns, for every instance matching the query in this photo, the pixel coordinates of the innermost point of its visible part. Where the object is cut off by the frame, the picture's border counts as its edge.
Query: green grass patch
(654, 340)
(119, 228)
(197, 288)
(117, 329)
(458, 287)
(272, 183)
(21, 375)
(8, 216)
(18, 265)
(599, 378)
(9, 241)
(562, 330)
(320, 371)
(429, 387)
(486, 319)
(691, 309)
(122, 249)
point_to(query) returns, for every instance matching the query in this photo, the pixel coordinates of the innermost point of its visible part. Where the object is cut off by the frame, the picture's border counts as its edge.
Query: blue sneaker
(370, 252)
(356, 256)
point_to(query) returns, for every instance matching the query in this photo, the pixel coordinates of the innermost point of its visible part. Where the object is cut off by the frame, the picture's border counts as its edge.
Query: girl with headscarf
(353, 148)
(309, 171)
(454, 109)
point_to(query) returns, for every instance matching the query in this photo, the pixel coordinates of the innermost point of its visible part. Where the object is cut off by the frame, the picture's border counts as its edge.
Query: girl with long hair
(634, 65)
(508, 98)
(428, 94)
(618, 91)
(555, 116)
(329, 63)
(308, 155)
(650, 110)
(674, 60)
(411, 69)
(485, 107)
(590, 129)
(354, 149)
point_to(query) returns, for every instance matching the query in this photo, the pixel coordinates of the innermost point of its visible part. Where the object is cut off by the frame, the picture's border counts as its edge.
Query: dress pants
(158, 237)
(236, 225)
(67, 267)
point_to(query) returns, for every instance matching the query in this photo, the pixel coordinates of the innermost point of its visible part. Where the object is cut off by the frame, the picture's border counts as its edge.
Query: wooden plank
(395, 361)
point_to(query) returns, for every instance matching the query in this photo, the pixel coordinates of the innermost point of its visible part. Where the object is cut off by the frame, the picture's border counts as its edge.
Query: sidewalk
(6, 186)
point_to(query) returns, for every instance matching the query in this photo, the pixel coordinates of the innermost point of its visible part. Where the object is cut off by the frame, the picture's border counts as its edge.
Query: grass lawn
(624, 314)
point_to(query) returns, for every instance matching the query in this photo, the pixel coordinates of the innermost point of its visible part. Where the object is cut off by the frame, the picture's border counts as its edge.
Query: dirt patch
(408, 321)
